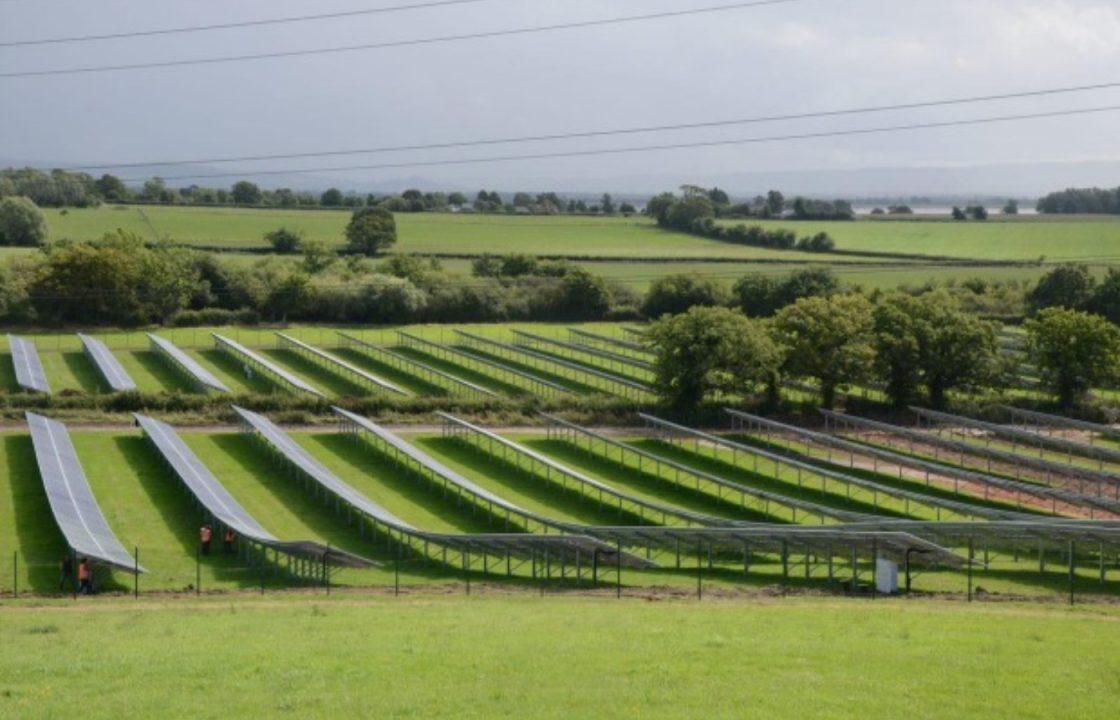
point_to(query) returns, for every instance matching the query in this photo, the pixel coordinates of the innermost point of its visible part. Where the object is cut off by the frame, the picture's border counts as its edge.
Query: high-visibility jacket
(83, 572)
(205, 534)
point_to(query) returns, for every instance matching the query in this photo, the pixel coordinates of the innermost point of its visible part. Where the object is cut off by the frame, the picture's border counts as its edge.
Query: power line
(651, 148)
(617, 131)
(242, 24)
(402, 43)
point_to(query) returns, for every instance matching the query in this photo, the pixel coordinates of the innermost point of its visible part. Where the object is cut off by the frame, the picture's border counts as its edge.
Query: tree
(719, 197)
(1106, 298)
(21, 222)
(675, 294)
(581, 295)
(607, 204)
(708, 350)
(457, 199)
(977, 212)
(111, 188)
(1068, 286)
(155, 190)
(627, 209)
(958, 214)
(1074, 352)
(756, 295)
(331, 198)
(928, 340)
(292, 297)
(829, 339)
(284, 241)
(775, 203)
(657, 207)
(1011, 207)
(371, 230)
(244, 192)
(317, 256)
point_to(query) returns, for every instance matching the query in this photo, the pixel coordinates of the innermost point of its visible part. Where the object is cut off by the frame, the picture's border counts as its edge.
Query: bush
(674, 294)
(21, 222)
(371, 230)
(215, 316)
(284, 241)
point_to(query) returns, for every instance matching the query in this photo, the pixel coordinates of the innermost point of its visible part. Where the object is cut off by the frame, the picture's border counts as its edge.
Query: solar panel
(623, 361)
(72, 502)
(200, 375)
(929, 467)
(200, 481)
(409, 365)
(636, 504)
(468, 359)
(302, 459)
(206, 488)
(250, 358)
(1045, 419)
(592, 338)
(29, 369)
(108, 365)
(340, 364)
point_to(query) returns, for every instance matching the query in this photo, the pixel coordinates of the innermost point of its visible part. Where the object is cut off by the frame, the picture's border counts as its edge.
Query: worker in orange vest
(227, 540)
(204, 535)
(85, 578)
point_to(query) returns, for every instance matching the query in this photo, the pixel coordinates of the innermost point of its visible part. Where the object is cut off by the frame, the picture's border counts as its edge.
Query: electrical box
(886, 577)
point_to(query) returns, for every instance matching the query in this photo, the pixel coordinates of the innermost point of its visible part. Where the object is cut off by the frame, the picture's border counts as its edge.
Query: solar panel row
(29, 369)
(71, 500)
(107, 364)
(199, 375)
(250, 359)
(337, 363)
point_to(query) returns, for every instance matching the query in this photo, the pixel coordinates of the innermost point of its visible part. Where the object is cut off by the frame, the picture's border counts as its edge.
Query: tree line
(1081, 201)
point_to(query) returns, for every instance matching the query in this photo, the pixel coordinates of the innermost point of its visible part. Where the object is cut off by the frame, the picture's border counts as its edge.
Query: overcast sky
(800, 56)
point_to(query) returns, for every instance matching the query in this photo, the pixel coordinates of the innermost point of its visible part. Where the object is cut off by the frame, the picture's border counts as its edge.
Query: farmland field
(557, 657)
(1025, 239)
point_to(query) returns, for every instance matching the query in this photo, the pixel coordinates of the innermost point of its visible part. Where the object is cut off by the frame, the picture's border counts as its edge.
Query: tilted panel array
(1045, 419)
(624, 362)
(1025, 437)
(107, 364)
(29, 369)
(200, 376)
(338, 364)
(210, 493)
(693, 478)
(586, 337)
(520, 545)
(908, 497)
(435, 376)
(956, 474)
(72, 502)
(653, 512)
(486, 365)
(282, 377)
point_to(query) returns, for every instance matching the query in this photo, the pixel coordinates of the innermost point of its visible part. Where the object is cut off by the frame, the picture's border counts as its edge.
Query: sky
(787, 58)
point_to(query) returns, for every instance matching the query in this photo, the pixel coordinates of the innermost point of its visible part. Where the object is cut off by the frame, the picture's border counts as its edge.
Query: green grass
(491, 657)
(1023, 238)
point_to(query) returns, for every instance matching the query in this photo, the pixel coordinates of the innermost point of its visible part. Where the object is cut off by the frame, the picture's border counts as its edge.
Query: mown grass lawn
(527, 657)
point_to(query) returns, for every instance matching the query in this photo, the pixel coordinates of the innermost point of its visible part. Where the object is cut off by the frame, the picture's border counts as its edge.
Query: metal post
(136, 571)
(699, 571)
(970, 569)
(197, 570)
(15, 574)
(467, 569)
(618, 568)
(1071, 570)
(397, 572)
(874, 568)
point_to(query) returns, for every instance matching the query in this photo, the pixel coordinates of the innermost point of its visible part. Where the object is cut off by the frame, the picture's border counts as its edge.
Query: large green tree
(708, 350)
(371, 230)
(21, 222)
(675, 294)
(1074, 352)
(1068, 286)
(828, 339)
(929, 341)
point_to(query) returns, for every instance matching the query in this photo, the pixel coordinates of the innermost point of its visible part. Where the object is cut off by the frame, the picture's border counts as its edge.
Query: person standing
(85, 578)
(227, 541)
(205, 534)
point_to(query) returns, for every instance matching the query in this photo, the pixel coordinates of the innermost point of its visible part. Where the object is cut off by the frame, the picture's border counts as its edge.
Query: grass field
(1027, 239)
(521, 656)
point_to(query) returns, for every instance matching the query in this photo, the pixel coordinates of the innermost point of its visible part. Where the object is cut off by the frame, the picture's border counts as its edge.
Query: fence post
(198, 571)
(136, 572)
(1072, 548)
(397, 572)
(618, 569)
(699, 571)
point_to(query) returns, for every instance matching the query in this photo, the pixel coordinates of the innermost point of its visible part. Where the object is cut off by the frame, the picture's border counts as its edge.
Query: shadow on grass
(323, 378)
(658, 487)
(182, 515)
(8, 374)
(164, 373)
(414, 384)
(413, 486)
(749, 478)
(880, 478)
(83, 370)
(255, 383)
(40, 543)
(487, 381)
(545, 374)
(549, 493)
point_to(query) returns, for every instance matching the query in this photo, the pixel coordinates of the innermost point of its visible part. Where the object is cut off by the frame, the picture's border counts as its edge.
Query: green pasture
(1093, 240)
(557, 657)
